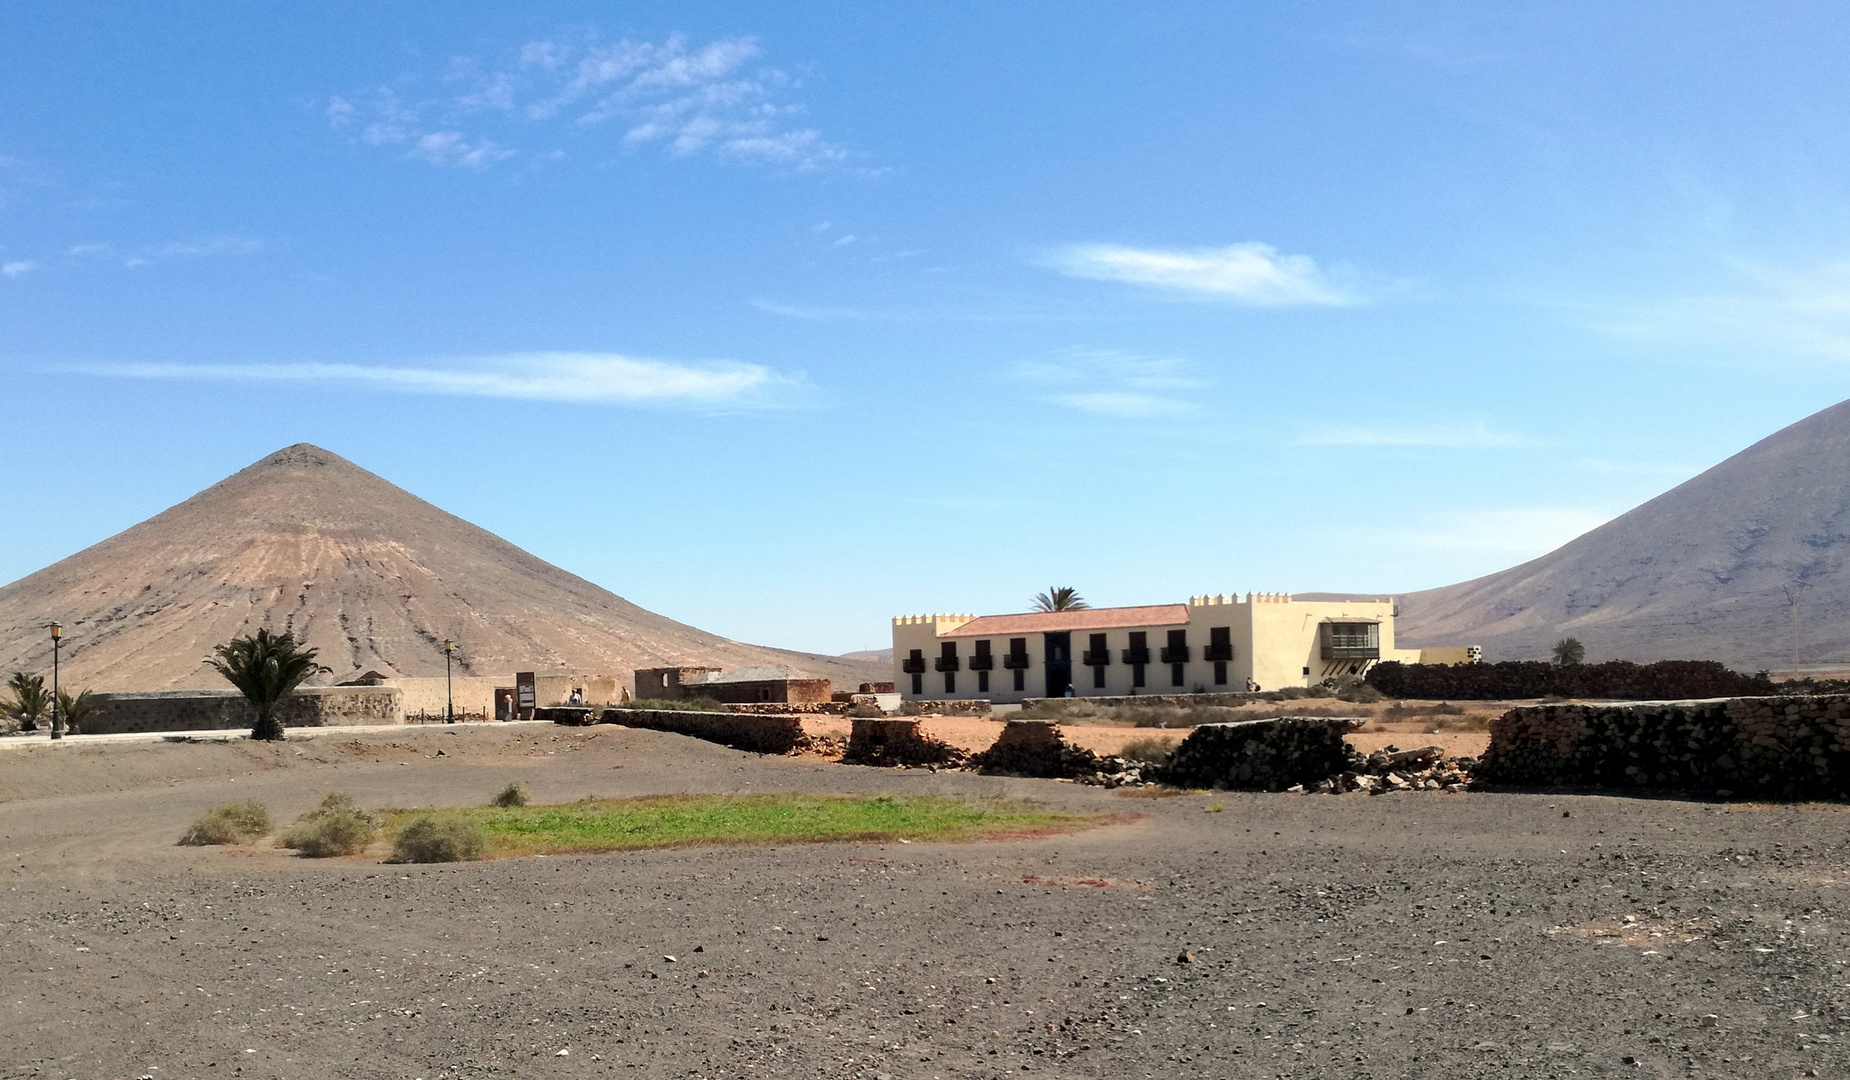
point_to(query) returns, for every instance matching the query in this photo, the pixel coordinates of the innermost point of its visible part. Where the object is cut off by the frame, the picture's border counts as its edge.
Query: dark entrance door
(1059, 653)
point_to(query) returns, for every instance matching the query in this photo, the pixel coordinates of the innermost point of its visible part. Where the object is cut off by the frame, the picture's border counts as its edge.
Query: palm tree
(1568, 651)
(75, 709)
(1059, 598)
(30, 701)
(266, 670)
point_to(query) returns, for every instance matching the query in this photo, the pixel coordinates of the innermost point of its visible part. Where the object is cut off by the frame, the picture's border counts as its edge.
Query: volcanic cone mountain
(369, 574)
(1744, 564)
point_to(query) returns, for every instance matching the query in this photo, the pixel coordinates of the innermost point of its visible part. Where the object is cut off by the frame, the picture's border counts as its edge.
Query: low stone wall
(1036, 748)
(221, 710)
(1262, 755)
(896, 742)
(1781, 747)
(777, 708)
(573, 715)
(741, 731)
(947, 707)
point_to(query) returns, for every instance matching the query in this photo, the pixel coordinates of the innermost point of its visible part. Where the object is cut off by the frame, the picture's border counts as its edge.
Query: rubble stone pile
(1262, 755)
(1783, 747)
(1036, 748)
(1393, 769)
(876, 741)
(759, 734)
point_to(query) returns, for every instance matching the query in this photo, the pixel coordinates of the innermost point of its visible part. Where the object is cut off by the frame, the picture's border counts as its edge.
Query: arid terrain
(369, 574)
(1205, 934)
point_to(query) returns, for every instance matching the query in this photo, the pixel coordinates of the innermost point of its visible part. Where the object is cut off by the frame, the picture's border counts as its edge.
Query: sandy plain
(1424, 934)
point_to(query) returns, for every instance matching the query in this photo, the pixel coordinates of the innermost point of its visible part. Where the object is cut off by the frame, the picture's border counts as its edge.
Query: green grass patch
(600, 825)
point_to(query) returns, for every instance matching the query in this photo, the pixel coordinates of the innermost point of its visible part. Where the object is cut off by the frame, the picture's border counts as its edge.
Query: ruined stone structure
(213, 710)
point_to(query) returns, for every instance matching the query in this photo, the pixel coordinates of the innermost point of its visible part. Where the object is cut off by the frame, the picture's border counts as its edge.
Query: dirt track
(1404, 935)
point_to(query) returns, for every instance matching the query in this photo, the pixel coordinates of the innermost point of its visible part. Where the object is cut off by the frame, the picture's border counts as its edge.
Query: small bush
(1150, 748)
(433, 838)
(337, 827)
(232, 823)
(514, 794)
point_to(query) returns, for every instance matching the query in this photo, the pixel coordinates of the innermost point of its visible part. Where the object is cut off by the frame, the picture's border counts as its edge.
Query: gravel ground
(1216, 935)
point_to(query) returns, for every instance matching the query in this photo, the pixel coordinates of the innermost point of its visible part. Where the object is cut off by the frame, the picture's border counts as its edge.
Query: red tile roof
(1038, 622)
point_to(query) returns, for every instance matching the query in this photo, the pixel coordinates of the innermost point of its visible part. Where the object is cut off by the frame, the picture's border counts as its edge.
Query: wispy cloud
(688, 99)
(1110, 382)
(1250, 273)
(1522, 532)
(1771, 313)
(592, 378)
(148, 254)
(18, 268)
(1450, 436)
(817, 314)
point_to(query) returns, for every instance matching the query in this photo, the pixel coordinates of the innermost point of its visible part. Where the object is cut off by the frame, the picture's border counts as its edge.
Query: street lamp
(449, 690)
(57, 714)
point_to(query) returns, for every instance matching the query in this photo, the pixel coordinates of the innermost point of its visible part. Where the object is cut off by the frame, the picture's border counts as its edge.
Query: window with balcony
(1351, 641)
(1220, 644)
(1139, 652)
(947, 657)
(1096, 654)
(1017, 656)
(1176, 652)
(981, 660)
(914, 664)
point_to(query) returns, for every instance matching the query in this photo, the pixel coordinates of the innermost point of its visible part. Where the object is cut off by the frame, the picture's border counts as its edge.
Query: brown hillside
(369, 574)
(1700, 572)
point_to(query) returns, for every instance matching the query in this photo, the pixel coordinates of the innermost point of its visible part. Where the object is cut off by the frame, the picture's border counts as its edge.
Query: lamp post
(57, 714)
(449, 691)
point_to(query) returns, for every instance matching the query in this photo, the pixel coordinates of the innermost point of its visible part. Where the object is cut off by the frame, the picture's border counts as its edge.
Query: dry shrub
(232, 823)
(433, 838)
(515, 794)
(1152, 748)
(337, 827)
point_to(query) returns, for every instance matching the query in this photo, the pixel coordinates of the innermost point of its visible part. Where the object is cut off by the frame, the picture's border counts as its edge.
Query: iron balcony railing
(1095, 657)
(982, 662)
(1139, 655)
(1345, 651)
(1175, 654)
(913, 665)
(1217, 652)
(1015, 661)
(946, 663)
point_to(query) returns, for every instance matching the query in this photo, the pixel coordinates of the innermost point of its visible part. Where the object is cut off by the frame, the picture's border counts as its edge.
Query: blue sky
(781, 319)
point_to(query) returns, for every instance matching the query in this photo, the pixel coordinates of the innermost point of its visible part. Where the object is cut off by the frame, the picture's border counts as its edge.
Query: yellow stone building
(1210, 644)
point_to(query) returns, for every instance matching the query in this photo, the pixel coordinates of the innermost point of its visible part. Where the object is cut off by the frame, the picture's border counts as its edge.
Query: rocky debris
(876, 741)
(1036, 748)
(1783, 747)
(1393, 769)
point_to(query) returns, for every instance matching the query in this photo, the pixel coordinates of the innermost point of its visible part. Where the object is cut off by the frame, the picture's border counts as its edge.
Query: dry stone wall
(741, 731)
(1262, 755)
(876, 741)
(1778, 747)
(221, 710)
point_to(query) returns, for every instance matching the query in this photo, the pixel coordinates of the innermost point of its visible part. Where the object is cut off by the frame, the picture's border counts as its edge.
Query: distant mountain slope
(1703, 571)
(366, 572)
